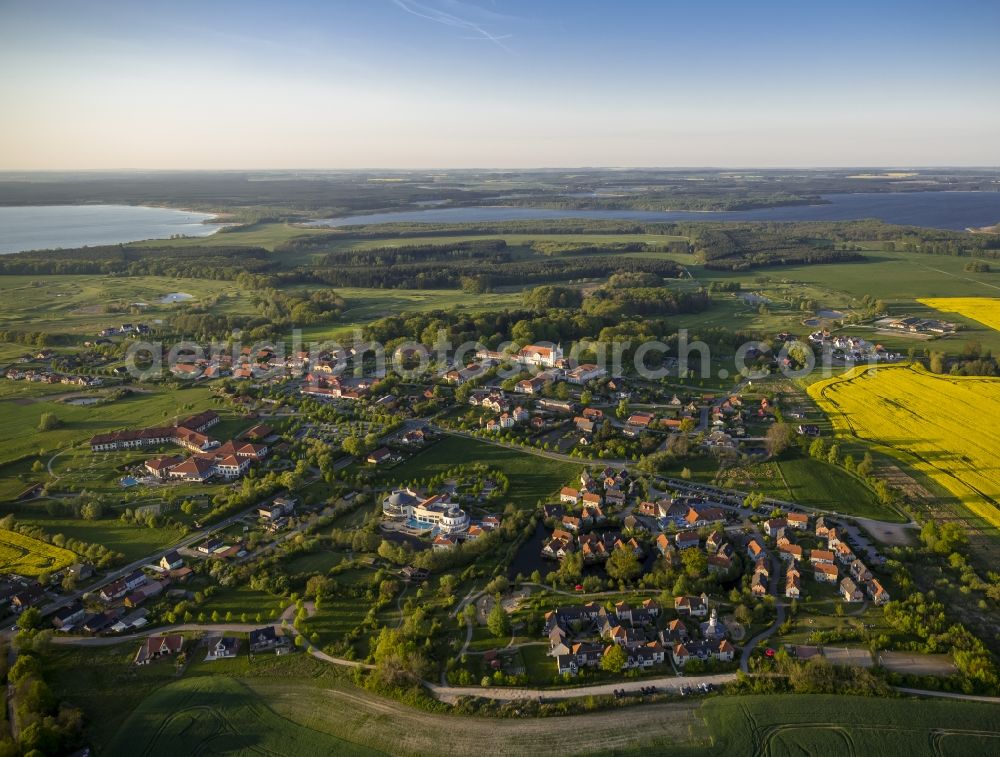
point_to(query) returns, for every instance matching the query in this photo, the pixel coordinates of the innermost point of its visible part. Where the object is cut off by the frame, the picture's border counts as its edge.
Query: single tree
(497, 621)
(614, 659)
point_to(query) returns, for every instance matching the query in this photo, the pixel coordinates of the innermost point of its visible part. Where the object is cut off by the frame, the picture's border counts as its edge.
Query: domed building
(430, 512)
(399, 504)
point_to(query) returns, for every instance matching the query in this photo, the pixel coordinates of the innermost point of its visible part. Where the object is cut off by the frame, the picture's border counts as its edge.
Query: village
(668, 576)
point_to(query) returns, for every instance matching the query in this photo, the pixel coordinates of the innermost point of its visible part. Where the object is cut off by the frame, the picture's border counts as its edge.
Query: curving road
(529, 450)
(672, 685)
(446, 693)
(766, 634)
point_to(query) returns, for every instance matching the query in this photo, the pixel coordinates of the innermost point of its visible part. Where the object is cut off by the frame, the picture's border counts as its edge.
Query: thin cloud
(440, 16)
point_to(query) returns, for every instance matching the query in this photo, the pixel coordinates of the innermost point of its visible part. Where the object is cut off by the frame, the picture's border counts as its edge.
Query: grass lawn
(897, 278)
(819, 615)
(243, 599)
(815, 483)
(337, 617)
(319, 561)
(19, 435)
(75, 303)
(132, 541)
(540, 668)
(297, 705)
(532, 477)
(17, 477)
(402, 730)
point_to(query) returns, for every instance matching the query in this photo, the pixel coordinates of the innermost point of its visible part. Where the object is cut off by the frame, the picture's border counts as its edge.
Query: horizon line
(747, 167)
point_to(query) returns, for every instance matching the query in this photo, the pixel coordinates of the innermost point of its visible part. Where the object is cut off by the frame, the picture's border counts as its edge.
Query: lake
(45, 227)
(936, 210)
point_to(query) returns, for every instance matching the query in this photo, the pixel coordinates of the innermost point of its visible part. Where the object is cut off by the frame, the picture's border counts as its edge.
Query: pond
(168, 299)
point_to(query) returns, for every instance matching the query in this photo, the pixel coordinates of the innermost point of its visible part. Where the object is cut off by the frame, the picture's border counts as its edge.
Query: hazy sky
(444, 83)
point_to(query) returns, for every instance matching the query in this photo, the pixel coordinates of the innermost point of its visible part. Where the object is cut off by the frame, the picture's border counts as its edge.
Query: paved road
(105, 641)
(152, 559)
(680, 484)
(108, 641)
(766, 634)
(672, 684)
(588, 595)
(472, 596)
(947, 695)
(537, 452)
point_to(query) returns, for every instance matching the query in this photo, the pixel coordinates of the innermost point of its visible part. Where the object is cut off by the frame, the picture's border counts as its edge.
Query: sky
(345, 84)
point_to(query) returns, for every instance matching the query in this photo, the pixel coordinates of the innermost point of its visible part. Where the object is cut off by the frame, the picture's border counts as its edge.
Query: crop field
(985, 310)
(28, 557)
(218, 715)
(269, 715)
(901, 280)
(895, 277)
(817, 725)
(945, 426)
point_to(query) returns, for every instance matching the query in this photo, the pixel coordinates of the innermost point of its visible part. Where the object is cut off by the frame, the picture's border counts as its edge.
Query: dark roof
(263, 636)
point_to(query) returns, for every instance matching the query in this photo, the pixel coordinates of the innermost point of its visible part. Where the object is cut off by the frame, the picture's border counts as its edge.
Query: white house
(429, 512)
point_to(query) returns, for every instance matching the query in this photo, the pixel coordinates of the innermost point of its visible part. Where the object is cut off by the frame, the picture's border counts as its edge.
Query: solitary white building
(535, 354)
(406, 504)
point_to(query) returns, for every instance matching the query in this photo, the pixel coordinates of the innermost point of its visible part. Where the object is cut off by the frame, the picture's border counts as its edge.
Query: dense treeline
(281, 193)
(577, 248)
(277, 311)
(35, 338)
(742, 247)
(737, 246)
(492, 250)
(521, 326)
(451, 275)
(679, 199)
(616, 302)
(546, 226)
(548, 297)
(300, 308)
(205, 262)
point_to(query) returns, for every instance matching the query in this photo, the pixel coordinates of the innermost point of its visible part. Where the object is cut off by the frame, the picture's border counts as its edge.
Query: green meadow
(19, 435)
(532, 477)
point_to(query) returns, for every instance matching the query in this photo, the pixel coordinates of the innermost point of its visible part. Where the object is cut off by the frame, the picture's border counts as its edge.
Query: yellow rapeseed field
(28, 557)
(986, 310)
(945, 426)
